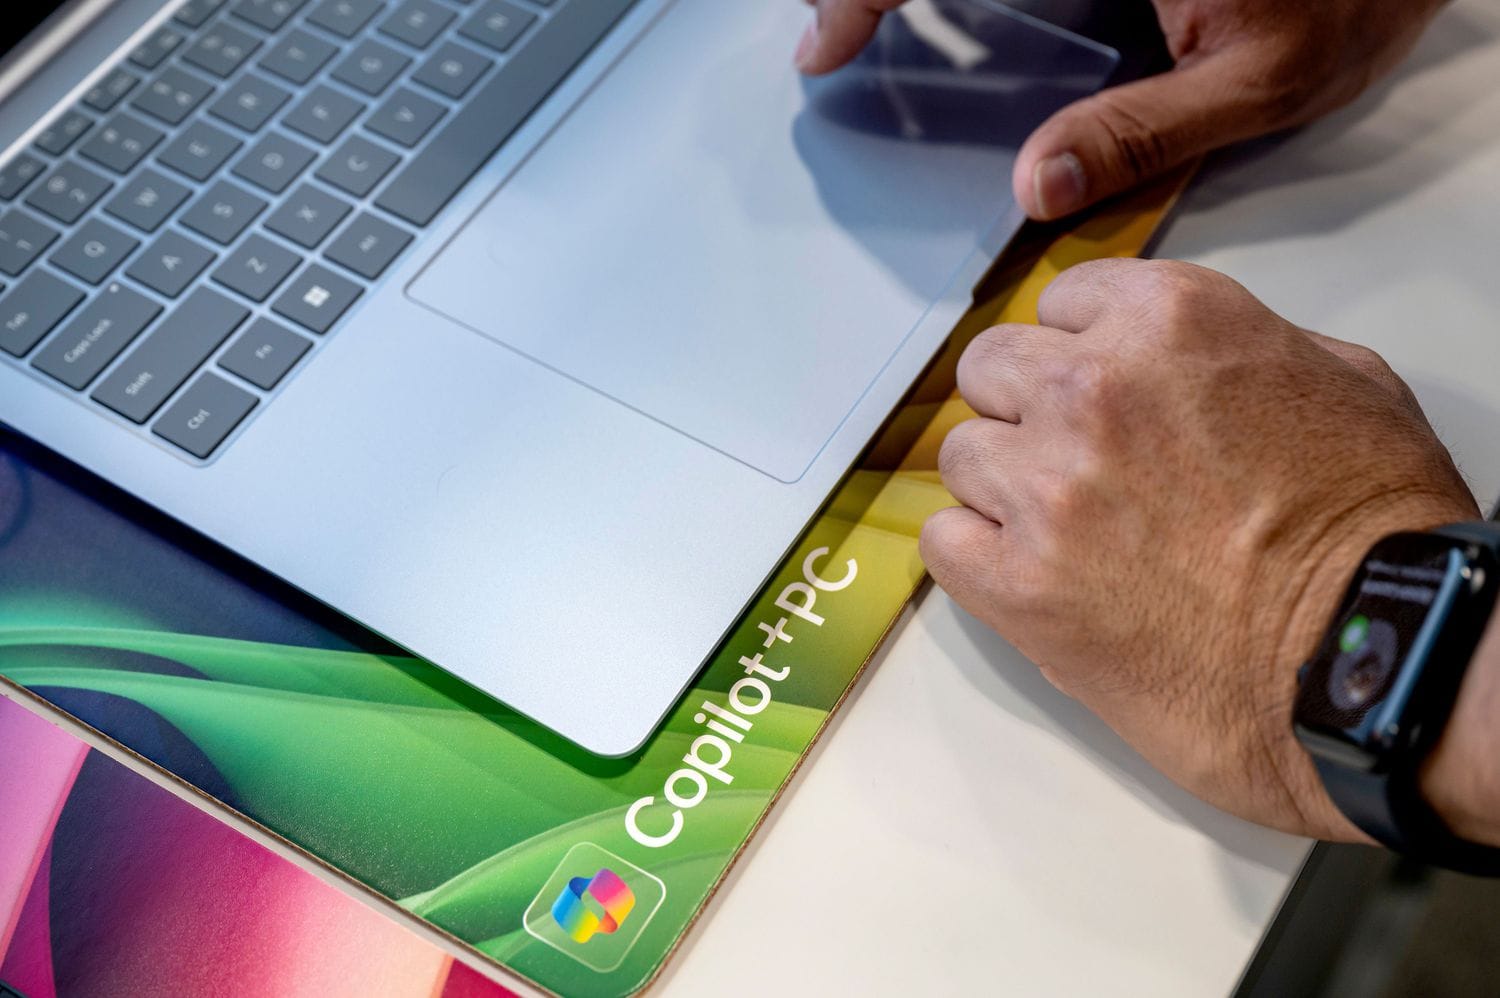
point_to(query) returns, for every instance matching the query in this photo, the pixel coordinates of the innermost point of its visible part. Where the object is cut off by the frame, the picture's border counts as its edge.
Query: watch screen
(1390, 599)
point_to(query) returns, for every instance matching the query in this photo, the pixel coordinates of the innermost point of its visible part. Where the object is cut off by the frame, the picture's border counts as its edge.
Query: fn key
(204, 415)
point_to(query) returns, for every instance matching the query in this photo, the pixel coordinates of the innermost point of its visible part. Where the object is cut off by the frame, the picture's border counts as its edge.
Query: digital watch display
(1378, 692)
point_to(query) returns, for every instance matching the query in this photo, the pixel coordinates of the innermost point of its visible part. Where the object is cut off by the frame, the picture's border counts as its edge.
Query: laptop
(527, 333)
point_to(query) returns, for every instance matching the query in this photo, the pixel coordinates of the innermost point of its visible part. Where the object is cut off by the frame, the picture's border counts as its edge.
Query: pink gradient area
(465, 982)
(177, 902)
(611, 892)
(38, 764)
(28, 963)
(203, 909)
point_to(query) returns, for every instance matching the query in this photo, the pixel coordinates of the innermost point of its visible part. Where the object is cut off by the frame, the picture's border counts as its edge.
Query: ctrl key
(204, 415)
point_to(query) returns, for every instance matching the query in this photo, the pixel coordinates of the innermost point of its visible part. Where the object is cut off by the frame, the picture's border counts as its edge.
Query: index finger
(840, 31)
(1081, 295)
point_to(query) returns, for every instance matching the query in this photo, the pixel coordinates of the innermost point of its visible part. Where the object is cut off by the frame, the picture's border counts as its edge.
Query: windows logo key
(579, 919)
(594, 907)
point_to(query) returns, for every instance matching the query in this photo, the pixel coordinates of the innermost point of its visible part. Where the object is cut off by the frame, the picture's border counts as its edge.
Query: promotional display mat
(576, 873)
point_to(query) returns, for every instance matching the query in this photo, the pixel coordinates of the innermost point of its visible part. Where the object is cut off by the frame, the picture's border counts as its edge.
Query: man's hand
(1165, 495)
(1243, 68)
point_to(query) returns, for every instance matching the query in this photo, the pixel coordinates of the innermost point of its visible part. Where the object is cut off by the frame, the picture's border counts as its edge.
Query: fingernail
(1060, 185)
(806, 46)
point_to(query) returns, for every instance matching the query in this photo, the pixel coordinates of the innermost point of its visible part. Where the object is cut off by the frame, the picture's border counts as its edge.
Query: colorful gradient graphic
(111, 885)
(575, 916)
(390, 770)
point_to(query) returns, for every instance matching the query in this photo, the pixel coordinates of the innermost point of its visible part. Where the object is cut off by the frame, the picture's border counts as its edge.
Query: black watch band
(1390, 809)
(1389, 806)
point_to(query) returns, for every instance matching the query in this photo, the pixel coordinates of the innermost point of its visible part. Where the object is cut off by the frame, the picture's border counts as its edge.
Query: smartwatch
(1375, 697)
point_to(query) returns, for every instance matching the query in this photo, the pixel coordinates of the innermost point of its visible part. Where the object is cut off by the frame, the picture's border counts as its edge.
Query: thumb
(1119, 137)
(841, 29)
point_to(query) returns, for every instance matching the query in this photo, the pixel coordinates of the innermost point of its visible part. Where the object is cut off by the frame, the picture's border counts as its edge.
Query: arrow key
(171, 263)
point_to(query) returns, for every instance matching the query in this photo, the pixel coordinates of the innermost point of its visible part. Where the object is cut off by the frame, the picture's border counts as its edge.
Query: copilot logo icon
(594, 907)
(611, 899)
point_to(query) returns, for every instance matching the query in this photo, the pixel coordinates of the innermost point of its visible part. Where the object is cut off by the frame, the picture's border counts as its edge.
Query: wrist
(1325, 574)
(1460, 779)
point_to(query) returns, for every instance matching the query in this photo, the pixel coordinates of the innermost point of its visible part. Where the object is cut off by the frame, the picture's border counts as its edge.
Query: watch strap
(1389, 808)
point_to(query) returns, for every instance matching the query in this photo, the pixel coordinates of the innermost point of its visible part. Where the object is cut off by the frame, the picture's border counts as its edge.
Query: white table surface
(965, 829)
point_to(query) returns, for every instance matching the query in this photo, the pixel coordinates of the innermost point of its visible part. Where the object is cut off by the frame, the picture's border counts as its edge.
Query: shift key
(179, 346)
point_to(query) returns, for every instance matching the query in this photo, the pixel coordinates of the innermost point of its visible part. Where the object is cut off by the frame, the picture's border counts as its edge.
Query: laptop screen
(21, 18)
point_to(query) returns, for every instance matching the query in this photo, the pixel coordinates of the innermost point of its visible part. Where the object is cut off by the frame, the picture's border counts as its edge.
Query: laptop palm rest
(736, 252)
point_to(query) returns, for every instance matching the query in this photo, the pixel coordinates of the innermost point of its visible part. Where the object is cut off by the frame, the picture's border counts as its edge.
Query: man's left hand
(1165, 493)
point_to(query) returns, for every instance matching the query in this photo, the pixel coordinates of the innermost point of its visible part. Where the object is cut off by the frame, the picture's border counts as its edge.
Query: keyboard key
(59, 136)
(69, 190)
(417, 22)
(307, 216)
(96, 336)
(452, 70)
(357, 166)
(221, 49)
(29, 310)
(94, 250)
(200, 150)
(274, 162)
(267, 14)
(249, 102)
(156, 368)
(406, 117)
(317, 298)
(18, 173)
(264, 353)
(22, 240)
(171, 263)
(195, 12)
(368, 246)
(371, 67)
(497, 25)
(257, 268)
(122, 143)
(173, 95)
(471, 136)
(206, 414)
(323, 114)
(222, 213)
(298, 57)
(108, 92)
(162, 43)
(147, 200)
(344, 17)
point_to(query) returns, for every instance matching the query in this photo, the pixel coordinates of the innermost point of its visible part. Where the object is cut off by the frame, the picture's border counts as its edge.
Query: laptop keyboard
(173, 247)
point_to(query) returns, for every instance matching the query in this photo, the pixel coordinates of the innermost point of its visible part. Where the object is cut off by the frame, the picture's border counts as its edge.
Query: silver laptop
(528, 333)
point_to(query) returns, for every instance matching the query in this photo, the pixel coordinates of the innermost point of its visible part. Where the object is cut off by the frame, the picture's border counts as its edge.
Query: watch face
(1357, 686)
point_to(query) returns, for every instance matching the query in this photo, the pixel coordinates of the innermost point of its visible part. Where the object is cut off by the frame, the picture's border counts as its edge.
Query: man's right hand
(1244, 68)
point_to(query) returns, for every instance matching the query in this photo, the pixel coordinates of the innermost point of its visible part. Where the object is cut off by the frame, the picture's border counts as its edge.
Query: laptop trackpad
(736, 252)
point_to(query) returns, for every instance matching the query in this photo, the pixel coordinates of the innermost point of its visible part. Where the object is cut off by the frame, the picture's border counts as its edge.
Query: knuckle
(991, 349)
(1089, 385)
(1059, 494)
(963, 448)
(1176, 300)
(938, 543)
(1372, 364)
